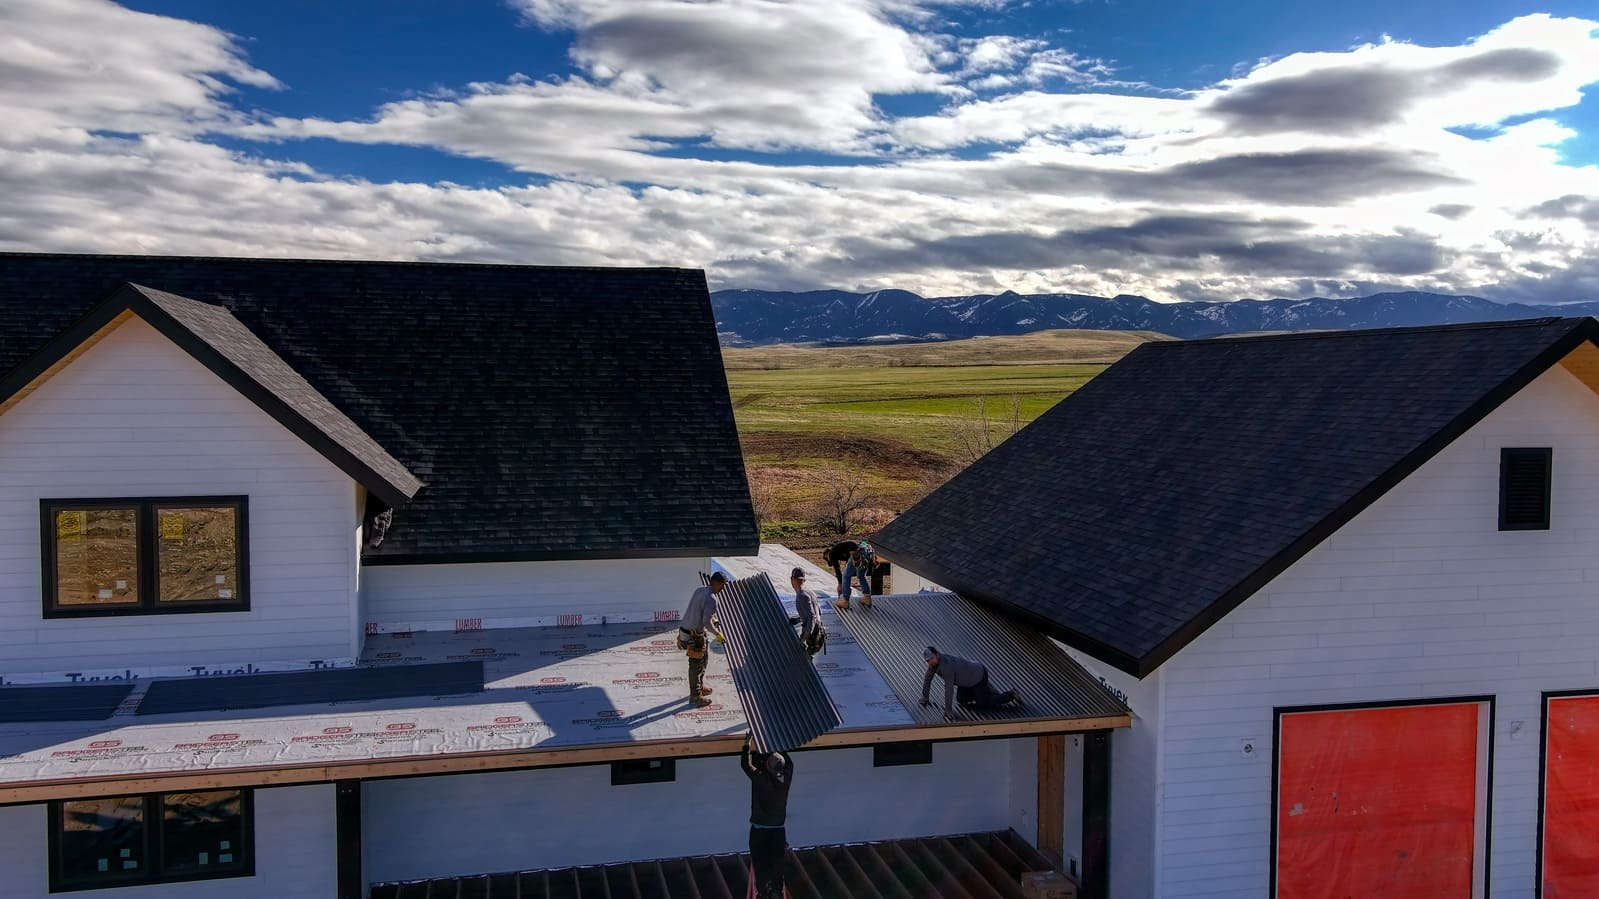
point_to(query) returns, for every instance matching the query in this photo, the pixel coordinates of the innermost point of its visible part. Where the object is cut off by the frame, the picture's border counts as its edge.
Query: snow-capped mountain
(756, 317)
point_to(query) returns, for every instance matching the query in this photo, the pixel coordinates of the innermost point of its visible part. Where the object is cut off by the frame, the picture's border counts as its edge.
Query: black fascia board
(557, 555)
(129, 298)
(1584, 331)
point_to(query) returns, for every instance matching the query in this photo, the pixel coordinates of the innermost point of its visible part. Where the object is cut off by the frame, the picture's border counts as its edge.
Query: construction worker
(836, 556)
(964, 681)
(861, 561)
(697, 618)
(770, 776)
(805, 606)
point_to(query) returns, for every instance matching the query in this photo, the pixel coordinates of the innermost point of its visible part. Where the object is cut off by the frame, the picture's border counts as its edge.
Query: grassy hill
(897, 419)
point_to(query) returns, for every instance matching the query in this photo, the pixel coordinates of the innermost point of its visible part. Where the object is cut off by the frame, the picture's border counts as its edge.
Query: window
(889, 755)
(643, 771)
(156, 838)
(1524, 489)
(141, 556)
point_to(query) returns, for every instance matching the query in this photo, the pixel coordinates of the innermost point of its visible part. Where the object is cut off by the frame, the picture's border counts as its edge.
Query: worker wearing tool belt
(699, 617)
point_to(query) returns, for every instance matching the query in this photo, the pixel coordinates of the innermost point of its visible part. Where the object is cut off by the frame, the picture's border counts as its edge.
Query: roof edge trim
(557, 555)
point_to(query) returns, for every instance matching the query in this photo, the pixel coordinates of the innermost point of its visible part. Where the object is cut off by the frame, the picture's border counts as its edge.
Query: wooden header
(470, 763)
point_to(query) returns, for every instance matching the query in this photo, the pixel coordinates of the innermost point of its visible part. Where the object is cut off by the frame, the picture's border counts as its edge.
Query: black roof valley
(551, 413)
(1151, 502)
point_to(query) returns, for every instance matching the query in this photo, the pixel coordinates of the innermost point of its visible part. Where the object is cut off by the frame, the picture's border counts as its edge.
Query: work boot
(866, 601)
(842, 605)
(698, 701)
(705, 691)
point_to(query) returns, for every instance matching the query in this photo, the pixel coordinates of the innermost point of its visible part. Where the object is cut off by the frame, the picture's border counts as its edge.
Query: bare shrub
(843, 493)
(975, 436)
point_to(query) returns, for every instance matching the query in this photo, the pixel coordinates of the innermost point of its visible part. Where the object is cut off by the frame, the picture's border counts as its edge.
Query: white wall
(1135, 790)
(509, 590)
(294, 846)
(517, 820)
(136, 416)
(1420, 596)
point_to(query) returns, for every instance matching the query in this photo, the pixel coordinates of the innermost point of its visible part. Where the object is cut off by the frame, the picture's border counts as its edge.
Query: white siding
(294, 846)
(1420, 596)
(136, 416)
(481, 823)
(512, 590)
(1134, 782)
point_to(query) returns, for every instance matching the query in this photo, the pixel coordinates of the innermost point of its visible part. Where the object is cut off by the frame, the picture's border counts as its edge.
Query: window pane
(198, 550)
(102, 841)
(202, 832)
(97, 556)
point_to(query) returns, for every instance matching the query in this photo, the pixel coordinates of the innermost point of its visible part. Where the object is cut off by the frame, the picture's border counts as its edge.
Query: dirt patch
(884, 457)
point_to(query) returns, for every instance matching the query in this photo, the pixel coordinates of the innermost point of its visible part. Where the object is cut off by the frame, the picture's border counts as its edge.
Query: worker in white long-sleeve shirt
(699, 617)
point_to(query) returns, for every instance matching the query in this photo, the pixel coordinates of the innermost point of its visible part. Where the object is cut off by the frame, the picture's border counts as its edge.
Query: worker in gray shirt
(965, 681)
(809, 612)
(699, 617)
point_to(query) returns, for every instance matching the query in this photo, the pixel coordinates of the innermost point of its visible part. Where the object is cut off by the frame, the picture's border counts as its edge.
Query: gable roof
(1150, 503)
(218, 341)
(553, 413)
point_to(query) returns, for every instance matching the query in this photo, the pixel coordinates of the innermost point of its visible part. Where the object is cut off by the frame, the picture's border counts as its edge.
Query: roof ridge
(1371, 332)
(273, 260)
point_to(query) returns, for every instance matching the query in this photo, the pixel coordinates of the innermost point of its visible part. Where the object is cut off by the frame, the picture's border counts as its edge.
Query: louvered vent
(1524, 489)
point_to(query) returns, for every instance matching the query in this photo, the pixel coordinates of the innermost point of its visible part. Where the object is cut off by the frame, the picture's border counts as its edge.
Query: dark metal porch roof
(897, 628)
(973, 866)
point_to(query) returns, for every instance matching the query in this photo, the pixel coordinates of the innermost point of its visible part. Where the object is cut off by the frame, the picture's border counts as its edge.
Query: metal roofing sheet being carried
(897, 628)
(782, 695)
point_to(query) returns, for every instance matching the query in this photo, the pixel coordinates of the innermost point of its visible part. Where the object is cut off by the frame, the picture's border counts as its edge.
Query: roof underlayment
(977, 866)
(607, 687)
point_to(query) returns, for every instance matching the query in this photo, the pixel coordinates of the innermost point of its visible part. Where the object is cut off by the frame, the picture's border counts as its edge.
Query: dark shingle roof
(551, 412)
(1148, 504)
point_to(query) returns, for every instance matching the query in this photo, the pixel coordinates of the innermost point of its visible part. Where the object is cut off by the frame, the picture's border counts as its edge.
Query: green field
(898, 419)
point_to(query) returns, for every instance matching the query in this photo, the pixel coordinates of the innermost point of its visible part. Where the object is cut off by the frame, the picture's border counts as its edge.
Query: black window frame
(1508, 453)
(643, 771)
(148, 553)
(894, 755)
(153, 844)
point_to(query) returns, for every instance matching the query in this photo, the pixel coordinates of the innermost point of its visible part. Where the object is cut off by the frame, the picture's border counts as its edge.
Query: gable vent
(1524, 489)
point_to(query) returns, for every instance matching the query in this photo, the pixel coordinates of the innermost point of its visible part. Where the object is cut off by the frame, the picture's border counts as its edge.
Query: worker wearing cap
(806, 607)
(964, 680)
(697, 618)
(770, 776)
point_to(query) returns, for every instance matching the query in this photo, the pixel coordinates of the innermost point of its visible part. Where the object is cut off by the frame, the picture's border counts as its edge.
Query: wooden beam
(1052, 798)
(473, 762)
(347, 837)
(1096, 815)
(64, 361)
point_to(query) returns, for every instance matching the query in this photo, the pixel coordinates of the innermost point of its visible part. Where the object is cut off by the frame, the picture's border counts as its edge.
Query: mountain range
(760, 317)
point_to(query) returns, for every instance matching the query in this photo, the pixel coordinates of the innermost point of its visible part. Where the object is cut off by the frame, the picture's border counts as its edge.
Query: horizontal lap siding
(422, 593)
(472, 824)
(295, 852)
(136, 416)
(1420, 596)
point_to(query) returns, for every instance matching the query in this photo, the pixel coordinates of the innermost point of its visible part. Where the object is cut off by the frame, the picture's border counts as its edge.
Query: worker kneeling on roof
(964, 680)
(697, 618)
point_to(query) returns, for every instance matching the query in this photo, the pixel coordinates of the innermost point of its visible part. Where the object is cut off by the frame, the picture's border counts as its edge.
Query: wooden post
(1096, 815)
(1052, 798)
(347, 838)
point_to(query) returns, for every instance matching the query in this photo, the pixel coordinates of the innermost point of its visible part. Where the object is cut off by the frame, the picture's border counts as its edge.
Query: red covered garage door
(1571, 798)
(1385, 802)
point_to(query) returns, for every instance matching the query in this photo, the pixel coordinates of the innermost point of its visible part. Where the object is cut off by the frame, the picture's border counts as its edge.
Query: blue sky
(1174, 149)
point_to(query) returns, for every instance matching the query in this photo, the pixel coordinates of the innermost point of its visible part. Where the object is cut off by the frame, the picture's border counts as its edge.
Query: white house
(1346, 583)
(319, 575)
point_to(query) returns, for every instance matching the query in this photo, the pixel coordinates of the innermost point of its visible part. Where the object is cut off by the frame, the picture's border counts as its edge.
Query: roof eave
(558, 555)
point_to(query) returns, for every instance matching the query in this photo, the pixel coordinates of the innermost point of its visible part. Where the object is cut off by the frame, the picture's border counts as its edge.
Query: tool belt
(692, 642)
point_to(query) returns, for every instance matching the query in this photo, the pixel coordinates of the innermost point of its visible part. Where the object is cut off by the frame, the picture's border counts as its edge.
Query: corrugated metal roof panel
(783, 698)
(978, 866)
(897, 628)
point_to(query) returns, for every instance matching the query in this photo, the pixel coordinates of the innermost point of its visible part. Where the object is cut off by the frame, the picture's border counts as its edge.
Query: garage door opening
(1569, 838)
(1383, 800)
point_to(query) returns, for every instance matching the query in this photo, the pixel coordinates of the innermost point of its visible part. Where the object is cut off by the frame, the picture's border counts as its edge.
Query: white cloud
(1312, 169)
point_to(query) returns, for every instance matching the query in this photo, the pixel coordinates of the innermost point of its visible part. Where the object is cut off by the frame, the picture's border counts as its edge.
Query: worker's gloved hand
(720, 639)
(925, 703)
